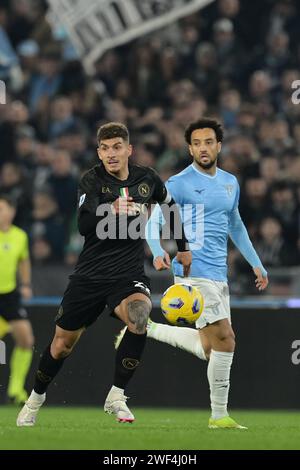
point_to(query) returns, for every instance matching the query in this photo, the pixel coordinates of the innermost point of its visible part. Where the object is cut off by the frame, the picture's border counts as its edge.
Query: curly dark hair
(204, 123)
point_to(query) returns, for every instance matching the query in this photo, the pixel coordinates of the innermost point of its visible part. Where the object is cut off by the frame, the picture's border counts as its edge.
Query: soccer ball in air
(182, 304)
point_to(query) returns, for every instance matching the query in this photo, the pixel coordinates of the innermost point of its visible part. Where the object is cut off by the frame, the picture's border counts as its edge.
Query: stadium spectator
(272, 248)
(47, 231)
(14, 184)
(63, 183)
(284, 206)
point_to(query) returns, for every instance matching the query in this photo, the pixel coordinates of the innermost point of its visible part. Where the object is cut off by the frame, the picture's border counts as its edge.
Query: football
(182, 304)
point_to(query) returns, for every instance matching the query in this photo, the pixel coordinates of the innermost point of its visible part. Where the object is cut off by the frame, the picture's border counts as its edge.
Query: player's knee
(223, 339)
(230, 343)
(227, 341)
(138, 314)
(61, 348)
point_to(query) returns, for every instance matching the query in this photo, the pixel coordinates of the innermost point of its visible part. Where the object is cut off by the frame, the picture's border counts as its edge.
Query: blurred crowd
(235, 60)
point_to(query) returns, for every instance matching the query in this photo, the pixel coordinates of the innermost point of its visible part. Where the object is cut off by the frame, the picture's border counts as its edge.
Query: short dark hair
(9, 200)
(112, 130)
(203, 124)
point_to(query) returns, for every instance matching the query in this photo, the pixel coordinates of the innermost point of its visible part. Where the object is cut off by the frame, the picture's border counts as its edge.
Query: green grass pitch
(90, 428)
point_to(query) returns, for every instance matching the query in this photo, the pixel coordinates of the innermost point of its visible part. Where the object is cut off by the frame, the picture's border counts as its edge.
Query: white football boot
(28, 413)
(115, 403)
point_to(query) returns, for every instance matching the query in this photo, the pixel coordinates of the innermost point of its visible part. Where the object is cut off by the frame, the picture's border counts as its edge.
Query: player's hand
(261, 282)
(185, 258)
(123, 205)
(162, 262)
(26, 292)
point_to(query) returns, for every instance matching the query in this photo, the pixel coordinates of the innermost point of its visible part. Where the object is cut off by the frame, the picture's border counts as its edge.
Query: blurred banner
(95, 26)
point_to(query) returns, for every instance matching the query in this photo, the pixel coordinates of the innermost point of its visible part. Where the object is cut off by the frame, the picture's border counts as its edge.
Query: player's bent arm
(161, 259)
(87, 222)
(170, 212)
(152, 232)
(88, 200)
(172, 216)
(239, 235)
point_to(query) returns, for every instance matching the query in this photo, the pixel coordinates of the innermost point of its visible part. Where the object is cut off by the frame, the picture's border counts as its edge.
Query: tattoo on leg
(138, 313)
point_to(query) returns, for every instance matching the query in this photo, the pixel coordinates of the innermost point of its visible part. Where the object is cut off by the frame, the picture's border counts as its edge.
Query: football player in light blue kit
(214, 194)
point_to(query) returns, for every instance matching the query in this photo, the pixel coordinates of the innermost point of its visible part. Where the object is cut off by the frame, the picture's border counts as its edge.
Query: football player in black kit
(110, 269)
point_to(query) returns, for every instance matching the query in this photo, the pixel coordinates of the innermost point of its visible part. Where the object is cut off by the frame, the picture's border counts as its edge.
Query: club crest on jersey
(144, 190)
(82, 199)
(229, 189)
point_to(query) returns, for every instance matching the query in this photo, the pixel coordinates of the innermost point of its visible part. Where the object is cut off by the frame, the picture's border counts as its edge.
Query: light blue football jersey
(206, 204)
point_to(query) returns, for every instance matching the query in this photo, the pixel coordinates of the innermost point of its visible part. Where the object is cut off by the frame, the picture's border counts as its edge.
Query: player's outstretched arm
(239, 235)
(173, 220)
(162, 262)
(261, 280)
(172, 216)
(161, 259)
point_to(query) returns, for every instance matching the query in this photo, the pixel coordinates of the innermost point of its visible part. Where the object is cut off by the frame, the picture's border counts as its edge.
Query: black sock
(47, 370)
(128, 357)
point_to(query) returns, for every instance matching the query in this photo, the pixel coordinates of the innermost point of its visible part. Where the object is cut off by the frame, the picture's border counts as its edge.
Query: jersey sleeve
(152, 232)
(237, 197)
(88, 198)
(24, 254)
(175, 189)
(161, 193)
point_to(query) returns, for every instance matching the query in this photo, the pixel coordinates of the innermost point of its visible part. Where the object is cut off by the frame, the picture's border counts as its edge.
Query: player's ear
(98, 152)
(130, 149)
(191, 151)
(219, 147)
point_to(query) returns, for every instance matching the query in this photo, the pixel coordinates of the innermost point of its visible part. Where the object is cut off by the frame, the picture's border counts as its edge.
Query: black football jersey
(117, 257)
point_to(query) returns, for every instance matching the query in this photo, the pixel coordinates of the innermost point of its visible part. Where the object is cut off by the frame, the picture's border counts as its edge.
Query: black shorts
(85, 300)
(10, 307)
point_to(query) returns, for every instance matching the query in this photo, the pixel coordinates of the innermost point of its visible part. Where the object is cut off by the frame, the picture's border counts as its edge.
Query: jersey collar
(204, 174)
(113, 178)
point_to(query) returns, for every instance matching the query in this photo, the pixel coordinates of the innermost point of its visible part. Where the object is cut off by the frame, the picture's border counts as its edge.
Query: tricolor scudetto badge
(124, 192)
